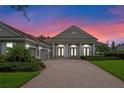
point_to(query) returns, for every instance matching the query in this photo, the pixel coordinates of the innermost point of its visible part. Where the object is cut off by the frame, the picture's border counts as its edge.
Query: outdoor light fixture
(27, 46)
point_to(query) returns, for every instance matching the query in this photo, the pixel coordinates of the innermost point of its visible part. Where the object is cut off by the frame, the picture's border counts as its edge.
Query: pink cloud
(107, 32)
(102, 31)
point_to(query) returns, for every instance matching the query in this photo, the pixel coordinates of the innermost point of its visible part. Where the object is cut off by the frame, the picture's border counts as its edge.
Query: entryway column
(48, 53)
(94, 49)
(53, 50)
(36, 50)
(80, 49)
(3, 47)
(66, 50)
(39, 50)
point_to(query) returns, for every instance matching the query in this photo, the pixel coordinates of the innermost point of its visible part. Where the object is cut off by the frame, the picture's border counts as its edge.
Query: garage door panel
(44, 54)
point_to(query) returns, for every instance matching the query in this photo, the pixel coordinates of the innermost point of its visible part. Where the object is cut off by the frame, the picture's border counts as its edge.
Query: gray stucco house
(72, 43)
(9, 36)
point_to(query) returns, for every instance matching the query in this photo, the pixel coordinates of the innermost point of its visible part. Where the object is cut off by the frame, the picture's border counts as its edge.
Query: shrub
(41, 63)
(21, 67)
(102, 49)
(95, 58)
(115, 54)
(100, 58)
(19, 59)
(18, 54)
(3, 58)
(83, 57)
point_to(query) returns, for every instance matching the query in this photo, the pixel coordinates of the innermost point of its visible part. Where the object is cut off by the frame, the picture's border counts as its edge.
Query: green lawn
(115, 67)
(15, 79)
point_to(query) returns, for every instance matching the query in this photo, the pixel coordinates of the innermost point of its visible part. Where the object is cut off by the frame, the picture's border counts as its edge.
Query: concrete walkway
(68, 73)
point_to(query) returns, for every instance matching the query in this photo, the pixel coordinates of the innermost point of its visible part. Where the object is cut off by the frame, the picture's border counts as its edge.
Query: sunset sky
(103, 22)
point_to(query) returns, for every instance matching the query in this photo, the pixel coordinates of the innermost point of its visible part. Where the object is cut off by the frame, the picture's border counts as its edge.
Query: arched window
(86, 45)
(60, 50)
(73, 46)
(73, 50)
(86, 50)
(60, 45)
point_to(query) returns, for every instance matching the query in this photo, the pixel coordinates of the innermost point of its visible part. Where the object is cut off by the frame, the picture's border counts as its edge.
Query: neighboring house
(10, 36)
(72, 43)
(120, 47)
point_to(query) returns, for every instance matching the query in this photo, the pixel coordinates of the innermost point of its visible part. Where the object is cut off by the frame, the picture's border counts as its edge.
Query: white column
(48, 53)
(53, 50)
(39, 50)
(3, 47)
(80, 49)
(36, 50)
(39, 53)
(66, 50)
(94, 49)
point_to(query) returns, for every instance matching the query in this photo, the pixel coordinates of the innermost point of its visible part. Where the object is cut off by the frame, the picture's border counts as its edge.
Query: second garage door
(44, 54)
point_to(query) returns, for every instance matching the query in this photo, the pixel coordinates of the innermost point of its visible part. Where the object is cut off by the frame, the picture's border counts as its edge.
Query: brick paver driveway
(73, 73)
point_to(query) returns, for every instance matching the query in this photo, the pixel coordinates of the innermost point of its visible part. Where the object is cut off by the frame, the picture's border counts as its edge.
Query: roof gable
(13, 32)
(73, 32)
(7, 32)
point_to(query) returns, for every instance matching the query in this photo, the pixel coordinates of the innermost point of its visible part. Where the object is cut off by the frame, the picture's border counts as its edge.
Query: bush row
(19, 59)
(20, 66)
(98, 58)
(115, 54)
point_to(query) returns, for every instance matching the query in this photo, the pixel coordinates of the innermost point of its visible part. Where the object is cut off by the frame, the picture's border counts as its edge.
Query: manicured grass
(115, 67)
(15, 79)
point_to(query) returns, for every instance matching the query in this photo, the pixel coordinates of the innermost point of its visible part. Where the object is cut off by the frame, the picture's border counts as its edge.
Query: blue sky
(100, 21)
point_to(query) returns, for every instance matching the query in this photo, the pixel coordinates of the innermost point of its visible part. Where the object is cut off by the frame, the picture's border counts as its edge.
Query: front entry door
(61, 51)
(73, 52)
(86, 51)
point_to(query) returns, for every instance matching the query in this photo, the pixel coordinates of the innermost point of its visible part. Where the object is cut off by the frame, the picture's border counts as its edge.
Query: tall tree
(113, 46)
(102, 49)
(42, 37)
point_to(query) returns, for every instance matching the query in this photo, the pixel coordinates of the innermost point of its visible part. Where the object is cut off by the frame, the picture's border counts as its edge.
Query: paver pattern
(71, 73)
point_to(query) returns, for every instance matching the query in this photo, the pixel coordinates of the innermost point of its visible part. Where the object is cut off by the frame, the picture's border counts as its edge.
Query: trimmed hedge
(83, 57)
(115, 54)
(19, 59)
(3, 58)
(102, 58)
(9, 66)
(98, 58)
(20, 66)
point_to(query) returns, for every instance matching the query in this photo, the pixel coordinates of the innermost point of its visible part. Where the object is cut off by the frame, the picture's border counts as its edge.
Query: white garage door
(44, 54)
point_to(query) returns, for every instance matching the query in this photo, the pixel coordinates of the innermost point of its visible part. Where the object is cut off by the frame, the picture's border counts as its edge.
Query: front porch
(72, 50)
